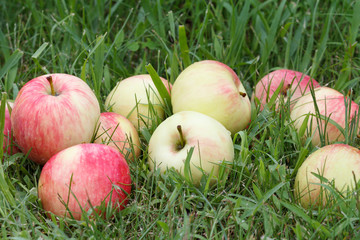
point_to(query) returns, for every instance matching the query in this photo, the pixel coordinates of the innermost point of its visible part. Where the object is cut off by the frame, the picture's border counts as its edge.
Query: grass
(106, 41)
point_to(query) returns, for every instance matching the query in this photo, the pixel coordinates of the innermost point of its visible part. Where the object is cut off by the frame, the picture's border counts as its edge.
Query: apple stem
(242, 94)
(182, 140)
(49, 78)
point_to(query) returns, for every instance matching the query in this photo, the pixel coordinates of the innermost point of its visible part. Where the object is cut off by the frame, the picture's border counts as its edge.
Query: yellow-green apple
(117, 131)
(138, 99)
(9, 146)
(212, 88)
(53, 112)
(331, 106)
(175, 136)
(84, 176)
(339, 163)
(294, 85)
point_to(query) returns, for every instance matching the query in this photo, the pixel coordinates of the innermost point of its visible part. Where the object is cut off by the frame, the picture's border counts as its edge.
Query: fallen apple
(84, 176)
(138, 99)
(293, 84)
(212, 88)
(337, 163)
(172, 140)
(118, 132)
(331, 105)
(53, 112)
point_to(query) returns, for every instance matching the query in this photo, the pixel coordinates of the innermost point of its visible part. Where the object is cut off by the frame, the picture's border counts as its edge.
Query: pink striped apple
(212, 88)
(138, 99)
(53, 112)
(175, 136)
(9, 146)
(339, 163)
(84, 176)
(296, 83)
(118, 132)
(331, 105)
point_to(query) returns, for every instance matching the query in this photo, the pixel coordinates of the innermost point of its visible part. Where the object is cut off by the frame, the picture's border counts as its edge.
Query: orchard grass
(103, 42)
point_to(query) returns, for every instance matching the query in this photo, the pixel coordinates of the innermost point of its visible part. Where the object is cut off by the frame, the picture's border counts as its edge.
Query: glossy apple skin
(298, 83)
(130, 98)
(47, 124)
(92, 170)
(212, 88)
(118, 132)
(331, 104)
(9, 146)
(337, 162)
(211, 141)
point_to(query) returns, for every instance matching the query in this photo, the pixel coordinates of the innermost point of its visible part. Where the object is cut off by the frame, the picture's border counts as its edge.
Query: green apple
(212, 88)
(174, 137)
(338, 162)
(137, 99)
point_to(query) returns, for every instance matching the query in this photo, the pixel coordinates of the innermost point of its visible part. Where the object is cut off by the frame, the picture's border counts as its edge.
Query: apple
(138, 99)
(53, 112)
(212, 88)
(296, 83)
(84, 176)
(339, 163)
(9, 146)
(331, 104)
(174, 137)
(118, 132)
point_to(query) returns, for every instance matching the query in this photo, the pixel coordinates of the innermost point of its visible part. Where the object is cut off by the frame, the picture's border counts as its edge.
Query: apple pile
(56, 121)
(328, 116)
(85, 153)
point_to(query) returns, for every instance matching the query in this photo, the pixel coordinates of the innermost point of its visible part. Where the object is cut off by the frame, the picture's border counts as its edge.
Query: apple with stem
(118, 132)
(82, 177)
(324, 116)
(336, 163)
(292, 84)
(53, 112)
(212, 88)
(138, 99)
(172, 140)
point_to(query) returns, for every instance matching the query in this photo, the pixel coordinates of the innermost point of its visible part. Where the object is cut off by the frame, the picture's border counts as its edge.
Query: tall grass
(104, 41)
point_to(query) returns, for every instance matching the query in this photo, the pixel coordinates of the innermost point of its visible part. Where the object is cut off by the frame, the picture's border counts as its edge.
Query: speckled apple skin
(331, 104)
(94, 169)
(118, 132)
(47, 124)
(336, 162)
(212, 88)
(298, 83)
(130, 98)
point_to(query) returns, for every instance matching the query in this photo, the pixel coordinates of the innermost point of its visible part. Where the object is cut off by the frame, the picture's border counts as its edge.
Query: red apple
(118, 132)
(331, 104)
(338, 162)
(82, 176)
(296, 83)
(214, 89)
(53, 112)
(9, 145)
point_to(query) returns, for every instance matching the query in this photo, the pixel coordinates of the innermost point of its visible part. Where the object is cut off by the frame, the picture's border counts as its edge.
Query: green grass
(106, 41)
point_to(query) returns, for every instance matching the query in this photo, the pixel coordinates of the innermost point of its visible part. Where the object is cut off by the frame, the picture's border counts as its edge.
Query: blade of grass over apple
(164, 94)
(4, 185)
